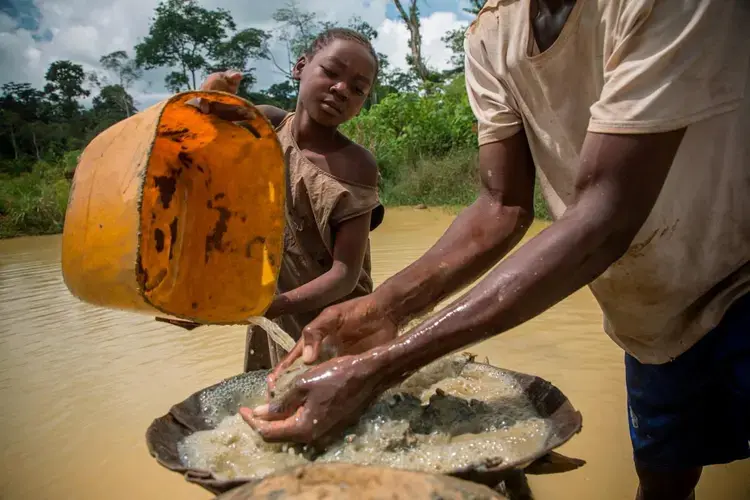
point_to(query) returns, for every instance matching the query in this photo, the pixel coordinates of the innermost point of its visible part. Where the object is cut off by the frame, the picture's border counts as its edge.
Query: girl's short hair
(331, 34)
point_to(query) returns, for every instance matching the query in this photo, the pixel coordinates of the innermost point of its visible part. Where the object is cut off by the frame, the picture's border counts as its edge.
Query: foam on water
(447, 416)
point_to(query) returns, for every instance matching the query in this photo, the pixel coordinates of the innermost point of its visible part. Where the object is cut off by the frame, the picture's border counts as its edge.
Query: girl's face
(335, 82)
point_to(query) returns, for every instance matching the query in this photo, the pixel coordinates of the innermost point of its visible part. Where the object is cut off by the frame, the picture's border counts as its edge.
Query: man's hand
(323, 402)
(349, 328)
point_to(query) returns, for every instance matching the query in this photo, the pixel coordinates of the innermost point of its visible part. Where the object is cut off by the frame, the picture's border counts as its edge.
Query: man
(636, 115)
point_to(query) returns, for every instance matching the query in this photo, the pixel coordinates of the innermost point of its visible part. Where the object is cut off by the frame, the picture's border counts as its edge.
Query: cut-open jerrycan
(179, 213)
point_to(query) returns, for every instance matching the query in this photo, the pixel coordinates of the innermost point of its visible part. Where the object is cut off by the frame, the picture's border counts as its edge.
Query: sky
(34, 33)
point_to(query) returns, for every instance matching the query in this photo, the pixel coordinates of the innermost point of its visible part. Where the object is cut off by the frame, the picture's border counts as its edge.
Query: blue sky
(34, 33)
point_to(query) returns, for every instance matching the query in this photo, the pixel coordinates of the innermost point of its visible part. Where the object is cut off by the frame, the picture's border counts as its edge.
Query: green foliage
(195, 40)
(541, 209)
(454, 40)
(111, 105)
(34, 202)
(406, 127)
(298, 28)
(449, 179)
(238, 50)
(282, 95)
(120, 64)
(65, 85)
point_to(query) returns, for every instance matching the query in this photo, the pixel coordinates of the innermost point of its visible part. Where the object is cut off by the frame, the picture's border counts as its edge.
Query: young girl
(332, 197)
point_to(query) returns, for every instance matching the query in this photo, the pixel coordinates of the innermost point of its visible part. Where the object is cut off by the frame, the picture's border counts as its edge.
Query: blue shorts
(695, 410)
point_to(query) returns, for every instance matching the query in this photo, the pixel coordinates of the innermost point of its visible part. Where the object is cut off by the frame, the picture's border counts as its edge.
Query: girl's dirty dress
(316, 202)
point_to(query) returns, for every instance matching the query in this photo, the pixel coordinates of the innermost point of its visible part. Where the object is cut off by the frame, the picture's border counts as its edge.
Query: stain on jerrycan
(179, 213)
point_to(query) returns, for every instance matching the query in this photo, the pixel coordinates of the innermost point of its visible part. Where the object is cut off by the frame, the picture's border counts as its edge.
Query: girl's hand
(278, 307)
(225, 81)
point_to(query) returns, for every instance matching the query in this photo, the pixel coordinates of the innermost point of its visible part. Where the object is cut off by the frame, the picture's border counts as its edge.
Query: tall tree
(113, 104)
(124, 68)
(65, 84)
(195, 40)
(298, 28)
(24, 100)
(22, 108)
(411, 18)
(454, 40)
(237, 52)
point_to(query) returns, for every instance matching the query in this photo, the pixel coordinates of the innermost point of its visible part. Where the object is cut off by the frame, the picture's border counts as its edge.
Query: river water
(79, 385)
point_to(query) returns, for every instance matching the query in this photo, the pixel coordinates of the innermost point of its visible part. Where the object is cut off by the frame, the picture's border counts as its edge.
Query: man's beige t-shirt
(634, 67)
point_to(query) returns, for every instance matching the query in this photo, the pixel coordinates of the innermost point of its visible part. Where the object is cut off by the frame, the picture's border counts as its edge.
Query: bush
(403, 129)
(34, 202)
(541, 210)
(452, 179)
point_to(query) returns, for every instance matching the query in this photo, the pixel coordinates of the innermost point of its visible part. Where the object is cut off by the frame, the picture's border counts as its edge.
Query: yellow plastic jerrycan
(177, 212)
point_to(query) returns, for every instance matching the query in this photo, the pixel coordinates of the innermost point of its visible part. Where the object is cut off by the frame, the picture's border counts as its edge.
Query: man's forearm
(479, 237)
(560, 260)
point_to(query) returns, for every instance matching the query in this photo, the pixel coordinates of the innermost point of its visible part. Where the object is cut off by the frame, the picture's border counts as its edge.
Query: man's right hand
(348, 328)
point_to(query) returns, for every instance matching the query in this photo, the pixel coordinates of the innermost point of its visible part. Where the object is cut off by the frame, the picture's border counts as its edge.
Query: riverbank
(33, 203)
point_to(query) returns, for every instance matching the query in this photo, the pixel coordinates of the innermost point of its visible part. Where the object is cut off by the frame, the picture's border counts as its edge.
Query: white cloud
(393, 40)
(84, 30)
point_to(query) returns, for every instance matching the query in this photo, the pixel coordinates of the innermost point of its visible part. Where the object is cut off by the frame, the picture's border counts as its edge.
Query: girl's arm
(339, 281)
(275, 115)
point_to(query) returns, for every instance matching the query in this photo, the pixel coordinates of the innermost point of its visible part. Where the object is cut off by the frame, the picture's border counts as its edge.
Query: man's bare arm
(478, 238)
(618, 183)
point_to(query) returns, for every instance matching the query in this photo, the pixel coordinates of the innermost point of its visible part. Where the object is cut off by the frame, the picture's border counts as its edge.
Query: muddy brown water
(79, 385)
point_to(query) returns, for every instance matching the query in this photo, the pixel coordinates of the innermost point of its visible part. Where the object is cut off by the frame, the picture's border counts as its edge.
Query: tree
(236, 53)
(400, 81)
(284, 94)
(122, 66)
(21, 109)
(65, 85)
(195, 40)
(298, 29)
(24, 100)
(30, 123)
(454, 40)
(113, 104)
(11, 125)
(476, 6)
(176, 81)
(411, 18)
